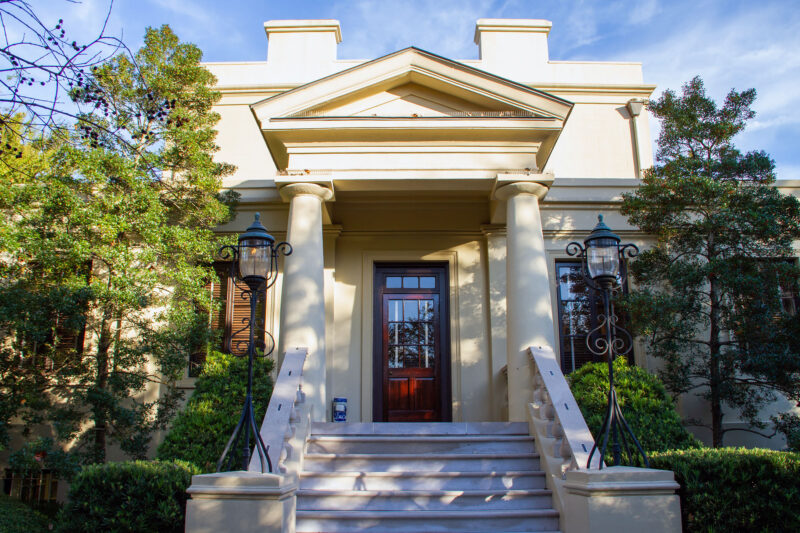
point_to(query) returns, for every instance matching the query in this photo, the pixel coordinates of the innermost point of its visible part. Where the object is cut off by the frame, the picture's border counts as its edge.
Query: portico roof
(412, 112)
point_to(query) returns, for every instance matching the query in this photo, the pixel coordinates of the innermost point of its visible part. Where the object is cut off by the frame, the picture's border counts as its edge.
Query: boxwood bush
(135, 496)
(735, 489)
(16, 517)
(200, 431)
(645, 404)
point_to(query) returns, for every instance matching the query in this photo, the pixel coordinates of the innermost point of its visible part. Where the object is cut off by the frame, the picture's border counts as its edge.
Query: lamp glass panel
(254, 258)
(602, 258)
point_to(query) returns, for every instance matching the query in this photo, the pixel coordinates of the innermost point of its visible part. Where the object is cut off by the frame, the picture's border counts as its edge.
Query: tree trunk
(101, 382)
(714, 363)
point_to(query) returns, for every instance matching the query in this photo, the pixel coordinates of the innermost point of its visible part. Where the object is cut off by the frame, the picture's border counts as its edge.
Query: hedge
(647, 407)
(199, 432)
(735, 489)
(16, 517)
(135, 496)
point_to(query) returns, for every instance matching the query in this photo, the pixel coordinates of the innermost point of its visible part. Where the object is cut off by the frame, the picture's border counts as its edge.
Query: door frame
(445, 363)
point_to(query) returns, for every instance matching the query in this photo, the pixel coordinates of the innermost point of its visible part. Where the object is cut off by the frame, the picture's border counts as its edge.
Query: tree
(110, 240)
(708, 292)
(40, 66)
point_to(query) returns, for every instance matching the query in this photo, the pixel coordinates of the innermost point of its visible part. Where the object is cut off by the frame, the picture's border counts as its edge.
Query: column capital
(291, 190)
(516, 188)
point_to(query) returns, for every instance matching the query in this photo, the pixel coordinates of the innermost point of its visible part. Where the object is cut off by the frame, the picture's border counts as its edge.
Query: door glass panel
(411, 356)
(426, 309)
(411, 311)
(427, 282)
(427, 357)
(394, 357)
(395, 310)
(410, 334)
(410, 282)
(392, 282)
(426, 333)
(394, 332)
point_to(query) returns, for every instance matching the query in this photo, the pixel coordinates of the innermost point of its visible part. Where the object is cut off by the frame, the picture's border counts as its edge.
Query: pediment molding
(411, 97)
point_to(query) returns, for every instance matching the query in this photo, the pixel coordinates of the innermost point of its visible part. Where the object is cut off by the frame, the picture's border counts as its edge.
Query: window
(228, 315)
(33, 487)
(578, 307)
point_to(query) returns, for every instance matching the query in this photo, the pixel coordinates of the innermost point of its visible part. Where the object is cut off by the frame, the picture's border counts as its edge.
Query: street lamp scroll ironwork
(601, 254)
(253, 269)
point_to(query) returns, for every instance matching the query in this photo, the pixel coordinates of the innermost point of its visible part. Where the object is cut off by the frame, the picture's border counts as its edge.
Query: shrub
(199, 432)
(647, 407)
(135, 496)
(734, 489)
(16, 517)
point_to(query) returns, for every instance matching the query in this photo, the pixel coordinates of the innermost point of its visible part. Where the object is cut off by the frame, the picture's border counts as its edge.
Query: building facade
(429, 202)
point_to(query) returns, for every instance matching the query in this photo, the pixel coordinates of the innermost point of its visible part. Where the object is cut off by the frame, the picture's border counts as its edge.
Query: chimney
(303, 49)
(513, 48)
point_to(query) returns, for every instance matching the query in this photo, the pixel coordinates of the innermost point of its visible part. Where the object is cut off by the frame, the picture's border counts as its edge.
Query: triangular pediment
(412, 75)
(410, 96)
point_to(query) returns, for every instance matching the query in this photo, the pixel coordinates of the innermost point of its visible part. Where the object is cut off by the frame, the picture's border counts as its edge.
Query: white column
(529, 314)
(303, 295)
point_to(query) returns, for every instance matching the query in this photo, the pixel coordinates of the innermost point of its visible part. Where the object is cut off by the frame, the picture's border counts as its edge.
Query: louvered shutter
(218, 287)
(238, 316)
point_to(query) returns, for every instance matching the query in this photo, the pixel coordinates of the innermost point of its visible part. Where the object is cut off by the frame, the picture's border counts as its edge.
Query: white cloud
(378, 27)
(643, 11)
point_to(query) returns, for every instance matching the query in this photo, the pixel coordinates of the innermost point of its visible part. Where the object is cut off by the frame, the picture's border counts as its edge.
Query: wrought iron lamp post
(600, 256)
(254, 268)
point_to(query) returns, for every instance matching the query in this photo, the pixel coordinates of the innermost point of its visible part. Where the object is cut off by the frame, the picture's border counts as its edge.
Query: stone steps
(423, 477)
(511, 480)
(405, 462)
(536, 520)
(422, 500)
(421, 444)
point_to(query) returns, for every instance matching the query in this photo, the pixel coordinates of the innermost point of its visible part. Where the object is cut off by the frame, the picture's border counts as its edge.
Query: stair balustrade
(287, 420)
(560, 427)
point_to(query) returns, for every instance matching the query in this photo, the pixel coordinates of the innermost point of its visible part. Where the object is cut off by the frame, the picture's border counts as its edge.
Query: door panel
(411, 355)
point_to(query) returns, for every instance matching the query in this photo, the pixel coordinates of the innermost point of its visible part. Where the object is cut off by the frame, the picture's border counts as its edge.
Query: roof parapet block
(303, 49)
(514, 48)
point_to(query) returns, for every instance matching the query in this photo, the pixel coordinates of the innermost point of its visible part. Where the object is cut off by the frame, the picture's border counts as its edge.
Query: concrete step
(345, 444)
(381, 481)
(421, 500)
(412, 462)
(419, 428)
(427, 521)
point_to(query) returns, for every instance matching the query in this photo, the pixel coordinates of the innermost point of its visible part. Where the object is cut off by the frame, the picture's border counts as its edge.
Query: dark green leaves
(708, 291)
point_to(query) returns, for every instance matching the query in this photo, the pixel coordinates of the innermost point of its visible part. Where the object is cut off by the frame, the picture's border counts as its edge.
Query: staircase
(423, 477)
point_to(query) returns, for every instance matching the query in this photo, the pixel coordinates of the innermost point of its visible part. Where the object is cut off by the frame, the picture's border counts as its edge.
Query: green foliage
(135, 496)
(110, 237)
(16, 517)
(789, 425)
(42, 454)
(644, 401)
(200, 431)
(734, 489)
(707, 298)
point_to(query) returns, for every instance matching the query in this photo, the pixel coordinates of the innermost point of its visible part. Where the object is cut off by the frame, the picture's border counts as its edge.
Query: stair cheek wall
(423, 477)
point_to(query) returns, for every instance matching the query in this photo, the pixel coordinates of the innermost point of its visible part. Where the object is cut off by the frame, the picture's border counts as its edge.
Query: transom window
(410, 282)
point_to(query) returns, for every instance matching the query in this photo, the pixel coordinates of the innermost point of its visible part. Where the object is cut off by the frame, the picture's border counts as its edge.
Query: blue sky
(729, 43)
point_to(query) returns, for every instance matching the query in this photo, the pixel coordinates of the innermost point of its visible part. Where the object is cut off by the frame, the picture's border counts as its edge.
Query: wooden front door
(411, 344)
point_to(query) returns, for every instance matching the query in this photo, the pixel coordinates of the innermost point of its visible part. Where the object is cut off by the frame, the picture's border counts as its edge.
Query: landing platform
(419, 428)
